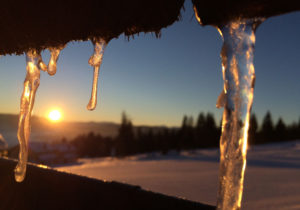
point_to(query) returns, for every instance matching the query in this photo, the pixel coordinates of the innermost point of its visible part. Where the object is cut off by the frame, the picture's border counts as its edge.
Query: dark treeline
(272, 132)
(203, 133)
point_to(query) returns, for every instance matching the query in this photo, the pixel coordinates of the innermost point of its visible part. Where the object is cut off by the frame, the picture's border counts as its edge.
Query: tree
(298, 130)
(280, 130)
(267, 130)
(200, 130)
(125, 139)
(186, 133)
(92, 145)
(211, 132)
(252, 132)
(200, 121)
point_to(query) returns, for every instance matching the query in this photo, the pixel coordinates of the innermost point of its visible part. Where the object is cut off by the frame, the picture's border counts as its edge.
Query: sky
(157, 81)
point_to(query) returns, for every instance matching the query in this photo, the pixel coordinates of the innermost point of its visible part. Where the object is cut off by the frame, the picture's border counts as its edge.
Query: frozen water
(221, 101)
(42, 65)
(34, 65)
(54, 54)
(236, 98)
(95, 61)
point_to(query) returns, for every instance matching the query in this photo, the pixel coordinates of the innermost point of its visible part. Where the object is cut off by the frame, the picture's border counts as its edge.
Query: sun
(54, 115)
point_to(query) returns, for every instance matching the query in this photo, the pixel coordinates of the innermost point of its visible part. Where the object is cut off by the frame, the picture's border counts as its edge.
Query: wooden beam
(45, 188)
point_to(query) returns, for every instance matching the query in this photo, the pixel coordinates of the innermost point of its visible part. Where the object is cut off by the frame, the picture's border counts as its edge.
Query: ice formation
(95, 61)
(236, 98)
(54, 54)
(34, 65)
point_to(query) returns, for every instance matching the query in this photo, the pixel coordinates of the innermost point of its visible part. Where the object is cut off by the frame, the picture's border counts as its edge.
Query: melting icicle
(236, 98)
(95, 61)
(53, 59)
(42, 65)
(31, 83)
(221, 101)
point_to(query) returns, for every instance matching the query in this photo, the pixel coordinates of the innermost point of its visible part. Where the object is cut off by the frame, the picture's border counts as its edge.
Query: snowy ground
(272, 179)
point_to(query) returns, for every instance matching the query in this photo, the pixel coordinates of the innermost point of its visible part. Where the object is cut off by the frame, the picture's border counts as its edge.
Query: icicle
(221, 100)
(53, 59)
(42, 65)
(237, 96)
(95, 61)
(31, 83)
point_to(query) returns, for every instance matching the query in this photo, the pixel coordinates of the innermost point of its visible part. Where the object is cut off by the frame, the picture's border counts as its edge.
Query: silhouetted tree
(252, 132)
(267, 130)
(186, 133)
(211, 132)
(292, 132)
(92, 145)
(205, 133)
(280, 131)
(298, 130)
(125, 139)
(200, 130)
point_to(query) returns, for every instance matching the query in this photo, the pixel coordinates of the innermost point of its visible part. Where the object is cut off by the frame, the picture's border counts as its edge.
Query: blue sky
(157, 81)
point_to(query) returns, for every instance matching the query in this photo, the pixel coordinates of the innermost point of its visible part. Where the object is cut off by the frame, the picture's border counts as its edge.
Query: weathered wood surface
(49, 23)
(45, 189)
(217, 12)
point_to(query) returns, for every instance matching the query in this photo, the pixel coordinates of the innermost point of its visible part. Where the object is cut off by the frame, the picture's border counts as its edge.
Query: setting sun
(54, 115)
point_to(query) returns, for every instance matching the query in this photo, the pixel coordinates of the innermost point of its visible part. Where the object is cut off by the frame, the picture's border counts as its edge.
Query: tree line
(204, 133)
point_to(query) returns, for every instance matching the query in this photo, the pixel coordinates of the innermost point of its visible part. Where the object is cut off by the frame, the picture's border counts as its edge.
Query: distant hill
(44, 130)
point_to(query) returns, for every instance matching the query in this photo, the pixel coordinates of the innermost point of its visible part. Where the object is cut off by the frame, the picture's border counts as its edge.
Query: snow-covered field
(272, 179)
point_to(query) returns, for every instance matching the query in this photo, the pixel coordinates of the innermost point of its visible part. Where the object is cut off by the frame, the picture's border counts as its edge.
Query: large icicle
(31, 83)
(54, 54)
(237, 96)
(95, 61)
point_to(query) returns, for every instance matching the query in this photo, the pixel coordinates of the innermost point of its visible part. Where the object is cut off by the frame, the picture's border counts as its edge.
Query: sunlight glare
(54, 115)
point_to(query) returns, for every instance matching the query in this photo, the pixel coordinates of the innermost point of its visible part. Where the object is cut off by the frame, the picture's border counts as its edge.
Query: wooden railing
(46, 188)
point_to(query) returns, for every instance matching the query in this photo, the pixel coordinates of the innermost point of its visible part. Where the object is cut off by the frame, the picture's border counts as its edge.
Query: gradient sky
(157, 81)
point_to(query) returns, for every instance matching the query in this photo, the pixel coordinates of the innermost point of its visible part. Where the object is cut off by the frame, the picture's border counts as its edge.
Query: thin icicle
(53, 59)
(238, 73)
(43, 66)
(31, 84)
(95, 61)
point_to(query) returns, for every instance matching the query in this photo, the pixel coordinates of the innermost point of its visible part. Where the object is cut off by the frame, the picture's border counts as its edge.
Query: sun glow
(54, 115)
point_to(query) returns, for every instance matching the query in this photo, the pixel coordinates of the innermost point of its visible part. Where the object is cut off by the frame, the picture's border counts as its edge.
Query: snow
(272, 179)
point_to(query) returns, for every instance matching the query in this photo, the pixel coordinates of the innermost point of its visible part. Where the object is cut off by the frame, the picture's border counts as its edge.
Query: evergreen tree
(200, 121)
(292, 132)
(267, 131)
(200, 130)
(211, 132)
(186, 133)
(280, 131)
(252, 132)
(298, 130)
(125, 139)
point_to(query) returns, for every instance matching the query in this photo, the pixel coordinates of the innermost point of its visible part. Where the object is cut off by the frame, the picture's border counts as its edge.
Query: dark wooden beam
(218, 12)
(50, 189)
(49, 23)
